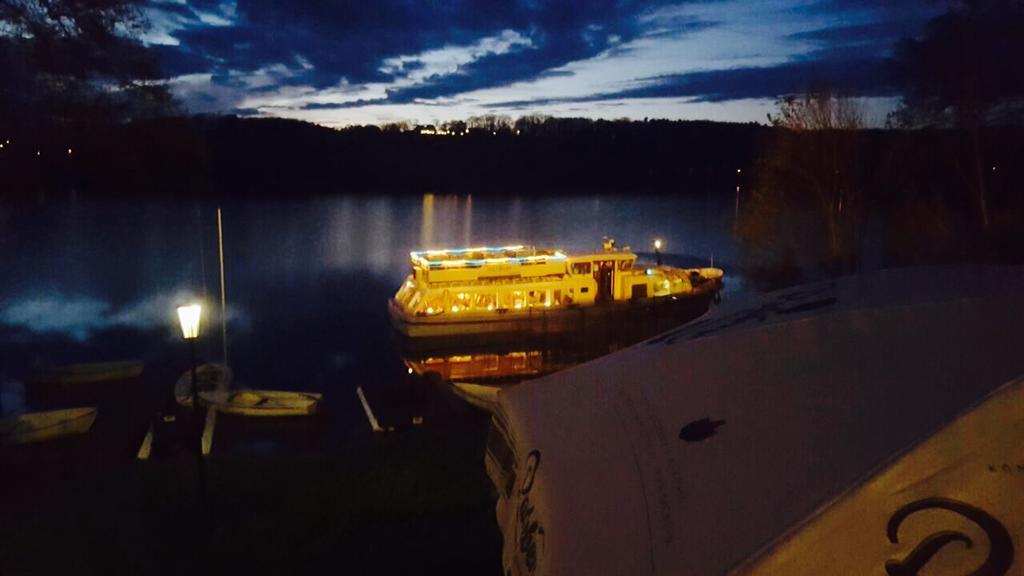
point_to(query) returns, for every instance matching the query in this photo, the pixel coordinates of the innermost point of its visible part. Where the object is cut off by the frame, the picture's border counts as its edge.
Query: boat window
(537, 297)
(625, 265)
(558, 298)
(433, 304)
(581, 268)
(518, 300)
(415, 299)
(585, 289)
(484, 302)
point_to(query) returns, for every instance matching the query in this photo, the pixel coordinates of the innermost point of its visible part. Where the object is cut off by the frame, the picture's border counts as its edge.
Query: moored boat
(209, 377)
(39, 426)
(521, 289)
(261, 402)
(88, 373)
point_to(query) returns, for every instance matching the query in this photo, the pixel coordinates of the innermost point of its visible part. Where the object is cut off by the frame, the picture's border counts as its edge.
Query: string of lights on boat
(437, 258)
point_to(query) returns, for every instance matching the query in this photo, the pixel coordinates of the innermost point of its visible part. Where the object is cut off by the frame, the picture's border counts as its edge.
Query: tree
(807, 202)
(68, 62)
(530, 124)
(963, 73)
(492, 123)
(454, 126)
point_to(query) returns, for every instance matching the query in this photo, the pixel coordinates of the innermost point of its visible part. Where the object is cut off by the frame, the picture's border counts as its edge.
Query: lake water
(307, 280)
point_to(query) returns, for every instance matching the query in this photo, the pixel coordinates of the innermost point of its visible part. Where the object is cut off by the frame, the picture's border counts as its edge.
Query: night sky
(375, 61)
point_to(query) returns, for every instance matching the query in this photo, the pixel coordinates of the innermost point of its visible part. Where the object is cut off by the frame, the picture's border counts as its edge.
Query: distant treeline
(229, 156)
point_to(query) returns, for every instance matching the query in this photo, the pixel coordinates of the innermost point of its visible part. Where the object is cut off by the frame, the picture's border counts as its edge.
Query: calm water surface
(307, 280)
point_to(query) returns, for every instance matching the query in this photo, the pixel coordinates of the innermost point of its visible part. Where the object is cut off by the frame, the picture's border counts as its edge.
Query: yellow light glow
(69, 151)
(455, 308)
(490, 306)
(430, 310)
(188, 316)
(410, 370)
(657, 244)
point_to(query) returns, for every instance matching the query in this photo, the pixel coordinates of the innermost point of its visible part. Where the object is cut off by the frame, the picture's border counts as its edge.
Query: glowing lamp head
(188, 316)
(657, 244)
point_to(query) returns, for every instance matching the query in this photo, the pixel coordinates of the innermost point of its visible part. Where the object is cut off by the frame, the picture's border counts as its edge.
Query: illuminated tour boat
(516, 289)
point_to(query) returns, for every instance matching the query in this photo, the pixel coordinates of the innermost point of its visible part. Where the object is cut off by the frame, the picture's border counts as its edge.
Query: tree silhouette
(73, 62)
(807, 203)
(963, 73)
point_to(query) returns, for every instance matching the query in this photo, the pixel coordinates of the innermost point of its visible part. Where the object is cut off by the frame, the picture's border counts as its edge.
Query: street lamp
(657, 251)
(189, 317)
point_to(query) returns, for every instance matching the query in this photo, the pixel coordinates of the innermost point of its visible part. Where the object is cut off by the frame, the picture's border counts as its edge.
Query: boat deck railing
(483, 256)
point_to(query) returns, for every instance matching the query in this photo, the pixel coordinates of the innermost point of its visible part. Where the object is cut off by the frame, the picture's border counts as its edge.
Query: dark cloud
(350, 39)
(860, 77)
(882, 34)
(270, 44)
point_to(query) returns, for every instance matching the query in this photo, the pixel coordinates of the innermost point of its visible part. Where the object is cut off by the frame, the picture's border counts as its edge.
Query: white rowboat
(261, 402)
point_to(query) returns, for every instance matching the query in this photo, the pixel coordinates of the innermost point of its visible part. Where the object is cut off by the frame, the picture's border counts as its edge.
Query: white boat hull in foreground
(869, 425)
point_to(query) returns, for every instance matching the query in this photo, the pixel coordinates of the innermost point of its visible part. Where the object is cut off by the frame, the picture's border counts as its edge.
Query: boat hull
(89, 373)
(40, 426)
(261, 402)
(640, 315)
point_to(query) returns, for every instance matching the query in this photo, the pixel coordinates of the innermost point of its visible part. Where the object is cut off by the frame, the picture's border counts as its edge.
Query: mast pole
(223, 298)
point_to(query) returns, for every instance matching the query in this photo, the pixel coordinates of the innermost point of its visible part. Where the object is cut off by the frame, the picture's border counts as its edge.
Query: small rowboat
(209, 377)
(89, 373)
(261, 402)
(39, 426)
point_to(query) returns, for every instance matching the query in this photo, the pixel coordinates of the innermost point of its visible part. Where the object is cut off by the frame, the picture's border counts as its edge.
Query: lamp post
(189, 317)
(657, 251)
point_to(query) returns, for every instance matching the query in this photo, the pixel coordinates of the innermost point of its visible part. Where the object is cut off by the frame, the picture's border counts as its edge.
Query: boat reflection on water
(475, 371)
(492, 367)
